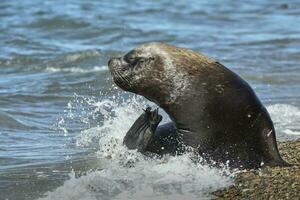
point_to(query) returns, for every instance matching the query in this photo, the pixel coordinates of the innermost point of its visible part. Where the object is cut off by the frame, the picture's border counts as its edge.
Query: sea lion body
(212, 109)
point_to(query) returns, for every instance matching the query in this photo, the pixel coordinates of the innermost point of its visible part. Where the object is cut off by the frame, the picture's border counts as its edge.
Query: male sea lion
(212, 109)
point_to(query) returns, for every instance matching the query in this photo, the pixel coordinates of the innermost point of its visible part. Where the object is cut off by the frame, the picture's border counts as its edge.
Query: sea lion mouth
(120, 71)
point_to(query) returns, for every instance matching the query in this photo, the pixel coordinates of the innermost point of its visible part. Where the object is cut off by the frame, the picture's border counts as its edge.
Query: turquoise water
(62, 118)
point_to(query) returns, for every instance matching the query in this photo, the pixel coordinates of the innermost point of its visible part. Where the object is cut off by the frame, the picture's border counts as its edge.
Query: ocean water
(62, 119)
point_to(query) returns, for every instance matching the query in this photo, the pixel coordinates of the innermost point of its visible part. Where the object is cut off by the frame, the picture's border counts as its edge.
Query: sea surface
(62, 119)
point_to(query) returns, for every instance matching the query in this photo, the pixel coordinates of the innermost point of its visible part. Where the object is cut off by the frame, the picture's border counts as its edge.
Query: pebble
(268, 183)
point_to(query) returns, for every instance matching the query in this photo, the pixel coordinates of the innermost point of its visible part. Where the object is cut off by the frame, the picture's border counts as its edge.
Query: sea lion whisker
(122, 78)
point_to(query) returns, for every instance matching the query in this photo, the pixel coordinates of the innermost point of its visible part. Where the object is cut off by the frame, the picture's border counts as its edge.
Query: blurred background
(59, 107)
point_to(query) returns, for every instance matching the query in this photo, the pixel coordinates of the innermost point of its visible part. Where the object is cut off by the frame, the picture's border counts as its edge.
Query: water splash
(117, 115)
(128, 174)
(171, 177)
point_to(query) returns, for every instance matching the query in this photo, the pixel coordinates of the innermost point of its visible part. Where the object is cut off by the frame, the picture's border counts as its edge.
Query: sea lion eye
(141, 60)
(130, 59)
(137, 60)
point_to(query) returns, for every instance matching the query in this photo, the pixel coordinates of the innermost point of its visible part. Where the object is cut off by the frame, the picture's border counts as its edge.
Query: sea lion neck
(178, 109)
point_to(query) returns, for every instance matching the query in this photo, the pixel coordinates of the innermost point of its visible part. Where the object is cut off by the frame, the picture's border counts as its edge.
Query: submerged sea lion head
(157, 71)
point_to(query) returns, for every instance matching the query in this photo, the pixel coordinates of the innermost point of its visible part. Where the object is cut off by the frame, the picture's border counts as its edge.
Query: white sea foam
(286, 118)
(76, 69)
(170, 178)
(127, 174)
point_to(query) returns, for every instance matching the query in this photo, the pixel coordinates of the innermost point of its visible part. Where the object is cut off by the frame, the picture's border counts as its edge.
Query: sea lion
(213, 110)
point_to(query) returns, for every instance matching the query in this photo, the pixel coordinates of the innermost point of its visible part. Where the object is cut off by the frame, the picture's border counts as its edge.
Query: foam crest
(76, 69)
(286, 118)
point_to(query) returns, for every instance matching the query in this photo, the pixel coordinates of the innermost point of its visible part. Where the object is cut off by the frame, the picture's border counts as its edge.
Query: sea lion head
(157, 71)
(135, 70)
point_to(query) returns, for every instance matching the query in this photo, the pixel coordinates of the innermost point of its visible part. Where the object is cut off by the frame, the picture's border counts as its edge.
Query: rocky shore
(268, 183)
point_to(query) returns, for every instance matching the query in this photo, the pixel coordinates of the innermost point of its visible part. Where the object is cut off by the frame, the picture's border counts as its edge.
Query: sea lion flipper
(140, 135)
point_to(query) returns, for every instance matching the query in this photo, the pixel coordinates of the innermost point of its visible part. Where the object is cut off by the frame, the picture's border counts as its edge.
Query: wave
(77, 62)
(7, 121)
(271, 41)
(168, 178)
(286, 118)
(77, 69)
(59, 22)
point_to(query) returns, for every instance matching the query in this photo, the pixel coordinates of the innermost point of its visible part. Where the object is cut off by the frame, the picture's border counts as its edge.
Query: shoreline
(269, 182)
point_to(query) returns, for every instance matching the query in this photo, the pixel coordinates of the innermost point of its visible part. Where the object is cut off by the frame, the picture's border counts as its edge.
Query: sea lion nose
(113, 61)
